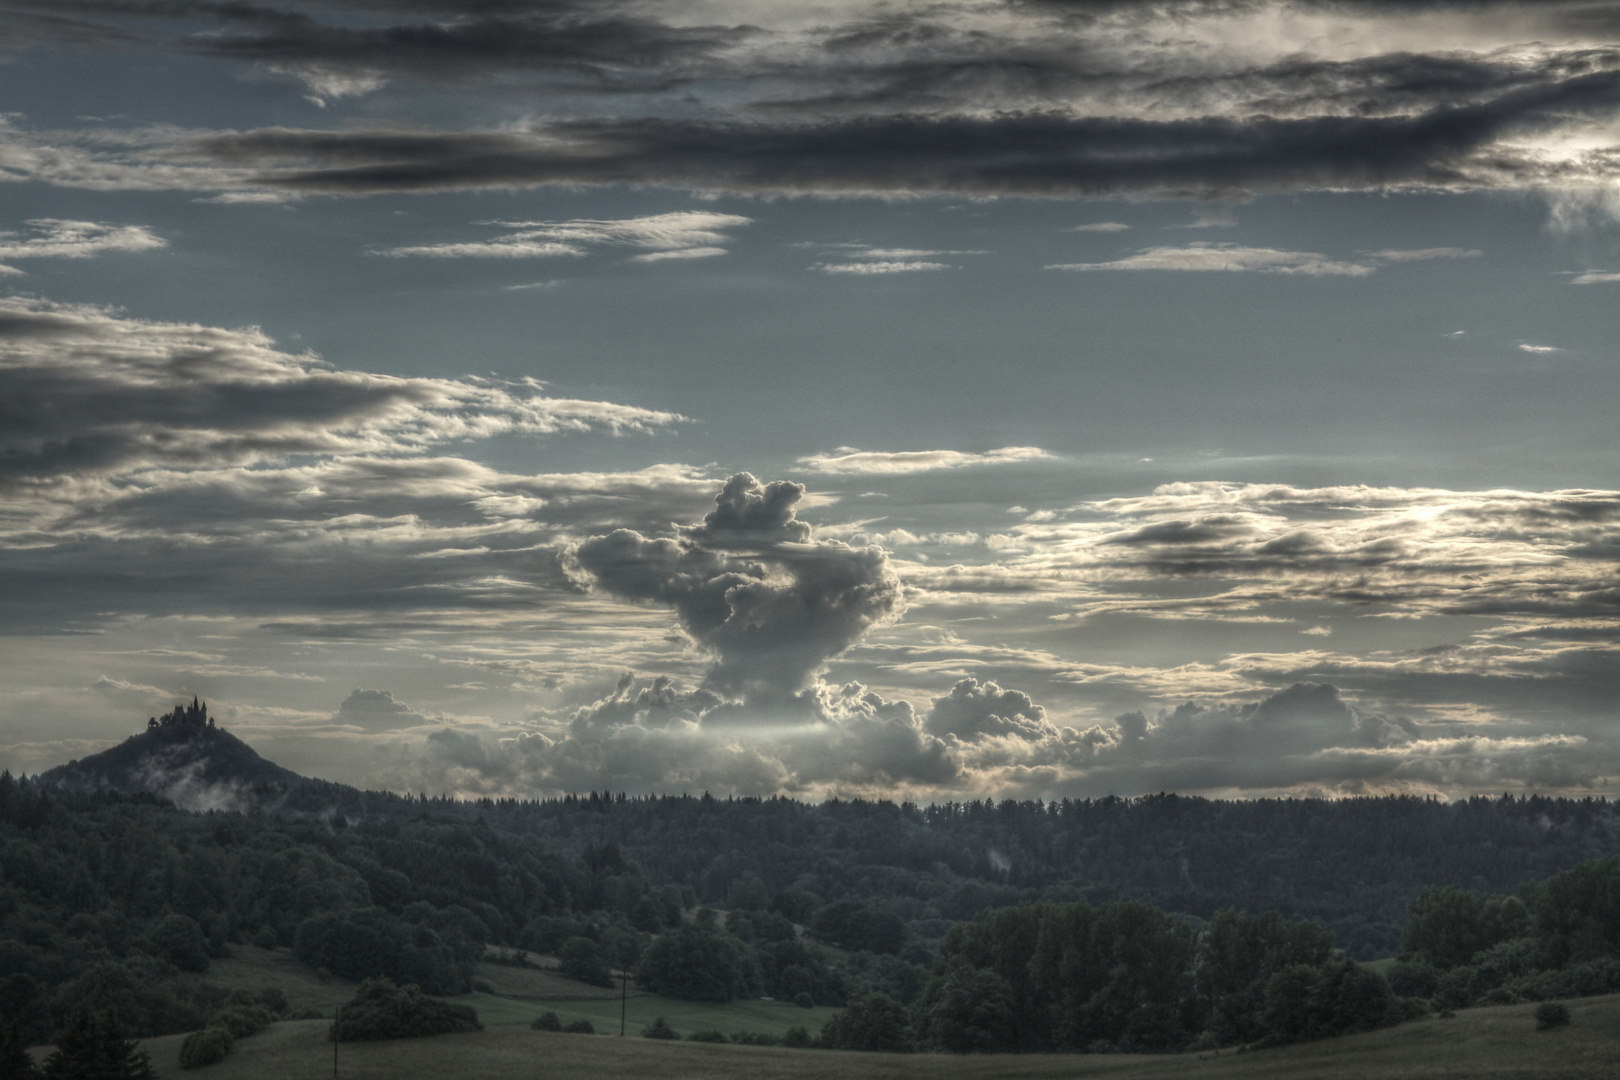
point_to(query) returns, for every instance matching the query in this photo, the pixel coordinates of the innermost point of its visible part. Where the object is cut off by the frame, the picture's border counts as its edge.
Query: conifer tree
(96, 1046)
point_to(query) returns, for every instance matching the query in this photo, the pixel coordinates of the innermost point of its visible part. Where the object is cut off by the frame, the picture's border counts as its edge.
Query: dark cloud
(604, 42)
(85, 393)
(1016, 154)
(751, 588)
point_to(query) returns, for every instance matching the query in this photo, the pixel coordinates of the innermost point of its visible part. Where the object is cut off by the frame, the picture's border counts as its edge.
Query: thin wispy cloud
(59, 238)
(1100, 227)
(1235, 258)
(1227, 258)
(683, 234)
(847, 460)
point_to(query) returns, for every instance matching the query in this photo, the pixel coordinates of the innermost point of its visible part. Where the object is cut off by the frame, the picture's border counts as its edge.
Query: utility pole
(624, 997)
(337, 1020)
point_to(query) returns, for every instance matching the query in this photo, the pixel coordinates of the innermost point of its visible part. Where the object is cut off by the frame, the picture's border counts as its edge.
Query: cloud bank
(1031, 99)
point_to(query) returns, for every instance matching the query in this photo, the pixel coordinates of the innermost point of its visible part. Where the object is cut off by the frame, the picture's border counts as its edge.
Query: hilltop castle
(194, 715)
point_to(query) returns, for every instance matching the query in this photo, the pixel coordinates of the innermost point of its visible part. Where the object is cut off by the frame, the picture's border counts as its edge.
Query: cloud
(846, 461)
(376, 710)
(906, 266)
(62, 239)
(1421, 254)
(684, 234)
(1036, 99)
(125, 394)
(1227, 257)
(1100, 227)
(1595, 277)
(1523, 347)
(751, 589)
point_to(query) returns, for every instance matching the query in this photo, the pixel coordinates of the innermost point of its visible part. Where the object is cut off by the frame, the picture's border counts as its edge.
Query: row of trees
(121, 902)
(1125, 977)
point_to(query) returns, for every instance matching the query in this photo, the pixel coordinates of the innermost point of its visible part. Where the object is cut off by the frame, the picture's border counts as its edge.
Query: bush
(306, 1014)
(381, 1010)
(755, 1038)
(803, 1000)
(658, 1029)
(242, 1020)
(205, 1047)
(797, 1037)
(581, 1027)
(547, 1021)
(274, 1000)
(1551, 1014)
(708, 1035)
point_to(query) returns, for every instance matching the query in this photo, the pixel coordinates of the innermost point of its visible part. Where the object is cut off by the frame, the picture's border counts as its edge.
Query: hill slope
(184, 758)
(1496, 1043)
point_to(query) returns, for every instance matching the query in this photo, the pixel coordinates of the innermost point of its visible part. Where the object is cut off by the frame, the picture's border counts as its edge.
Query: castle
(194, 715)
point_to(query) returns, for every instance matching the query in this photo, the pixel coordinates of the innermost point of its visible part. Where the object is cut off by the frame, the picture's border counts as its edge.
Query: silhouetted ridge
(183, 756)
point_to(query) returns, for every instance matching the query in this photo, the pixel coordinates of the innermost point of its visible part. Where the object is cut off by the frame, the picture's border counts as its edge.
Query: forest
(1158, 923)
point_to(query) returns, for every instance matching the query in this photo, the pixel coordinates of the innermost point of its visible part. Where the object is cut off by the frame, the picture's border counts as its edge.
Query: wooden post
(624, 997)
(337, 1021)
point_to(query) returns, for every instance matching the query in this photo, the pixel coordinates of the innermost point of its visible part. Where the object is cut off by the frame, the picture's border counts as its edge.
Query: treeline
(1558, 938)
(121, 902)
(1126, 978)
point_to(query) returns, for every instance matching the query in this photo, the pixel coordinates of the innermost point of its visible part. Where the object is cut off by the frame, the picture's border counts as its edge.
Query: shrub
(205, 1047)
(581, 1027)
(547, 1021)
(1551, 1014)
(242, 1020)
(307, 1014)
(708, 1035)
(755, 1038)
(797, 1037)
(803, 1000)
(274, 1000)
(658, 1029)
(381, 1010)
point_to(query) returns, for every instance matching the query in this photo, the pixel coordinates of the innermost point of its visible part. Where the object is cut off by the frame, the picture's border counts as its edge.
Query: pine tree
(15, 1064)
(96, 1046)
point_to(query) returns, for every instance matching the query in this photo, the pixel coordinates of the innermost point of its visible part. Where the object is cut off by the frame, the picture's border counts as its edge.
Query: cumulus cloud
(846, 460)
(63, 239)
(751, 588)
(684, 234)
(374, 710)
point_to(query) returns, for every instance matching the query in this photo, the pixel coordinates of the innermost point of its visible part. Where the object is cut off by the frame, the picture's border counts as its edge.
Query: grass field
(520, 994)
(1491, 1044)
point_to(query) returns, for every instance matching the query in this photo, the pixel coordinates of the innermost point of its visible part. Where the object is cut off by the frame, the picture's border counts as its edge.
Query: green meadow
(519, 995)
(1498, 1043)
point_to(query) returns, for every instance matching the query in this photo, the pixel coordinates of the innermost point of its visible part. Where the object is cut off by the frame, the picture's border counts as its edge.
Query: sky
(929, 400)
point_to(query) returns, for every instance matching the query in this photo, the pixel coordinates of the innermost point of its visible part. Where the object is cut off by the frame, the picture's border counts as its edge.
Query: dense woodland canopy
(119, 902)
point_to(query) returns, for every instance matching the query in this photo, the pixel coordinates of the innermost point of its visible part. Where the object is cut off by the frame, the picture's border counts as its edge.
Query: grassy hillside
(1495, 1043)
(520, 994)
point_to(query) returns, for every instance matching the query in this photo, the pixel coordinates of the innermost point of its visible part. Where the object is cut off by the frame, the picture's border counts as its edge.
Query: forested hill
(1352, 864)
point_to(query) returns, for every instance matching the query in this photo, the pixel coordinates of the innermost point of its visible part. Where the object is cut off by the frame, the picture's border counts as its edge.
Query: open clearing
(520, 995)
(1498, 1043)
